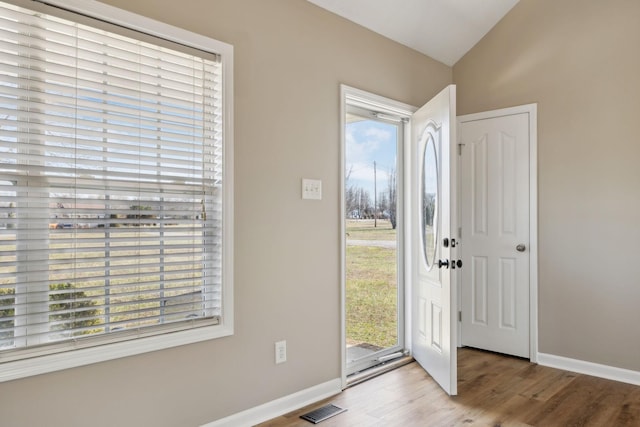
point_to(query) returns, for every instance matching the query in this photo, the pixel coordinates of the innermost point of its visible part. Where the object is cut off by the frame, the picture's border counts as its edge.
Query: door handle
(521, 247)
(454, 263)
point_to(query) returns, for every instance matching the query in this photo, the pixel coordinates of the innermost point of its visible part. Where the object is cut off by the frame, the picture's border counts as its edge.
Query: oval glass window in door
(429, 203)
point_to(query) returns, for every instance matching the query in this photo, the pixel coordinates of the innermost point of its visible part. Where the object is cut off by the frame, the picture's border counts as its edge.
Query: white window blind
(110, 185)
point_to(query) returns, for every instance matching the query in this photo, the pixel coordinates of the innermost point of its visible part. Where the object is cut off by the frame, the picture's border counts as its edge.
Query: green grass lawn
(371, 294)
(363, 229)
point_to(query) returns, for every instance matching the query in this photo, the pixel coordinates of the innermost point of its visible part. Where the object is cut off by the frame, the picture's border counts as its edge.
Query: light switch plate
(312, 189)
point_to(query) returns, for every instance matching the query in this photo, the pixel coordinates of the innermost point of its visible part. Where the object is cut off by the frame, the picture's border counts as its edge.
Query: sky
(367, 141)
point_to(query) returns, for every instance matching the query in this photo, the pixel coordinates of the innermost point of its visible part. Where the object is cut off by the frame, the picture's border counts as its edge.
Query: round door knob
(521, 248)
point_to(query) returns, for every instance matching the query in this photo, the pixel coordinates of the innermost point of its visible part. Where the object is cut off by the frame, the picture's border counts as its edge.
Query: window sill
(74, 358)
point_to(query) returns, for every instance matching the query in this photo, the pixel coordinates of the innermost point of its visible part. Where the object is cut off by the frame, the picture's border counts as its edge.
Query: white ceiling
(442, 29)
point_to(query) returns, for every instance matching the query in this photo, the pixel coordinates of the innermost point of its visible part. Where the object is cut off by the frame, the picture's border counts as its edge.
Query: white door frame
(388, 106)
(532, 111)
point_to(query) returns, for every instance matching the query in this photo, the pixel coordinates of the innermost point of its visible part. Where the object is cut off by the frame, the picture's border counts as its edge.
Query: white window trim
(85, 356)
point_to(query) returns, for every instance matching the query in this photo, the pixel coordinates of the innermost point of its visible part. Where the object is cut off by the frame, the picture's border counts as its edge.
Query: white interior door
(433, 219)
(494, 206)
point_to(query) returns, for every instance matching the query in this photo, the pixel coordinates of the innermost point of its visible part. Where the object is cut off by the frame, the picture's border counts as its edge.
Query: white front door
(495, 230)
(432, 163)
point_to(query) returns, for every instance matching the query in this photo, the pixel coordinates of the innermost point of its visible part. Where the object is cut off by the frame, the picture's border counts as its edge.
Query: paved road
(391, 244)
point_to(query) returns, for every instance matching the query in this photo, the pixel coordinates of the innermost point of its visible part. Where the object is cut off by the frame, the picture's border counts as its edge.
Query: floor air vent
(322, 413)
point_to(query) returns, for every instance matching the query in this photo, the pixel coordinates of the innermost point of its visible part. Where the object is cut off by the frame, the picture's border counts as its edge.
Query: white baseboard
(589, 368)
(281, 406)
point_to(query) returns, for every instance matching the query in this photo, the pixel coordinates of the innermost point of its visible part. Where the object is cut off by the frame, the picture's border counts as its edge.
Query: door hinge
(459, 316)
(460, 145)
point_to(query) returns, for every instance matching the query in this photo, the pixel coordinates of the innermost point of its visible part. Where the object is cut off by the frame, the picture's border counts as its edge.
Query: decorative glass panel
(429, 209)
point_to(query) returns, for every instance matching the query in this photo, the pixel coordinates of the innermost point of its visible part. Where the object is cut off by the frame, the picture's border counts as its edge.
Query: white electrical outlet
(312, 189)
(281, 352)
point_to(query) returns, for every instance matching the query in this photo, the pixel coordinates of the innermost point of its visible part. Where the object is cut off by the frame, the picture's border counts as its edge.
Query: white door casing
(496, 242)
(387, 107)
(433, 298)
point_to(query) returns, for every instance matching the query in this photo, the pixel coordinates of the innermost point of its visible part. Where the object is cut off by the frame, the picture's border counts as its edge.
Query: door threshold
(374, 371)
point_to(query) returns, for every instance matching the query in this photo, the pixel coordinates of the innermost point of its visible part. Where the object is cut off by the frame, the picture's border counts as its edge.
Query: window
(115, 184)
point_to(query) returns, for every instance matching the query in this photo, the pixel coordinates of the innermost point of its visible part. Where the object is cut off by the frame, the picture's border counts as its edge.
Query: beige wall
(290, 58)
(579, 60)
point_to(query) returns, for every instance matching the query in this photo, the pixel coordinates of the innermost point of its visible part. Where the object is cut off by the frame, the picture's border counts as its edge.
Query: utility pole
(375, 196)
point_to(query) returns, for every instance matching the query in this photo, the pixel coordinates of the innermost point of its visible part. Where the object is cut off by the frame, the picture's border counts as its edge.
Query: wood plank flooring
(493, 390)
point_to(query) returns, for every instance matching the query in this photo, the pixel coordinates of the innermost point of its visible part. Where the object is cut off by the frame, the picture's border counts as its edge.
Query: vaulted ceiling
(442, 29)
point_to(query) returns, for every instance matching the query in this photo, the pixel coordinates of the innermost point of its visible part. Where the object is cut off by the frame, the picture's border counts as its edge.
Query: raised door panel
(479, 170)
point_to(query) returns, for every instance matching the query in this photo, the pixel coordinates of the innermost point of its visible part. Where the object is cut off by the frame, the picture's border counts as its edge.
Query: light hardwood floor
(493, 390)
